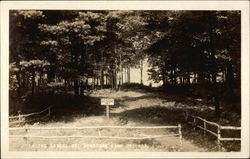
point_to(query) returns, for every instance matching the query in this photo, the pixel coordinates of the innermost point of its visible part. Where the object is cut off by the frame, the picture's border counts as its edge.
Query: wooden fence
(178, 134)
(219, 128)
(21, 118)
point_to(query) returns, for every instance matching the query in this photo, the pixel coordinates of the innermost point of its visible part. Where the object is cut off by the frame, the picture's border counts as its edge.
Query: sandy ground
(131, 109)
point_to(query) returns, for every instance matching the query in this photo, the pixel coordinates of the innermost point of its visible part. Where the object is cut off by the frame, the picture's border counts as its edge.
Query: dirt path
(131, 109)
(144, 109)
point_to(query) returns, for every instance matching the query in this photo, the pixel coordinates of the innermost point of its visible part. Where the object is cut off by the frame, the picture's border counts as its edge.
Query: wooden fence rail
(21, 116)
(216, 134)
(88, 136)
(96, 127)
(178, 134)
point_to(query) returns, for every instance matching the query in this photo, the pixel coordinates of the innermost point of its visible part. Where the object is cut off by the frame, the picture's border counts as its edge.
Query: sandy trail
(131, 109)
(127, 101)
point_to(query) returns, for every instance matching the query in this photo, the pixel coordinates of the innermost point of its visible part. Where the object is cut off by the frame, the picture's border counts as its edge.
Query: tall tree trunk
(106, 80)
(216, 95)
(201, 78)
(120, 71)
(33, 83)
(196, 78)
(128, 74)
(115, 78)
(224, 76)
(97, 81)
(115, 75)
(172, 77)
(102, 71)
(19, 85)
(81, 88)
(125, 75)
(188, 78)
(175, 78)
(182, 80)
(122, 75)
(65, 85)
(229, 84)
(102, 77)
(40, 79)
(112, 80)
(142, 72)
(164, 80)
(76, 88)
(86, 83)
(93, 83)
(120, 79)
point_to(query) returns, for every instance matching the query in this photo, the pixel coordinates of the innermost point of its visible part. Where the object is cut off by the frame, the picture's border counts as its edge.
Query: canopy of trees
(185, 49)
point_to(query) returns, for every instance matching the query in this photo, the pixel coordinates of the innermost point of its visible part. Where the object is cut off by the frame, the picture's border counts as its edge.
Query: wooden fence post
(194, 124)
(19, 116)
(180, 135)
(218, 138)
(26, 129)
(205, 127)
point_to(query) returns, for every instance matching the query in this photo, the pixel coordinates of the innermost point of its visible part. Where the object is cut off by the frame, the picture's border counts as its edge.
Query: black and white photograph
(126, 80)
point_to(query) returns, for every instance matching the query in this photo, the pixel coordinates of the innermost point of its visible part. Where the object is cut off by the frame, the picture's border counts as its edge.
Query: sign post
(107, 111)
(107, 102)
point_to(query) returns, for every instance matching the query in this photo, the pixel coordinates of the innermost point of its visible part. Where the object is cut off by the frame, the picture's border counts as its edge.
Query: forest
(193, 53)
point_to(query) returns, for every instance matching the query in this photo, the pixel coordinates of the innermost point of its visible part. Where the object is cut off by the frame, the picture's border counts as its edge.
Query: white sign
(107, 101)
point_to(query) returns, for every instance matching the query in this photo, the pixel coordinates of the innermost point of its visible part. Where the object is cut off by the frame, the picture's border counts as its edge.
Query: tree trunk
(141, 72)
(201, 78)
(120, 71)
(164, 79)
(115, 75)
(128, 74)
(224, 76)
(125, 75)
(122, 76)
(81, 89)
(97, 81)
(106, 80)
(33, 83)
(112, 80)
(19, 85)
(115, 79)
(172, 77)
(102, 71)
(102, 77)
(76, 88)
(229, 84)
(182, 80)
(40, 81)
(93, 83)
(188, 78)
(216, 95)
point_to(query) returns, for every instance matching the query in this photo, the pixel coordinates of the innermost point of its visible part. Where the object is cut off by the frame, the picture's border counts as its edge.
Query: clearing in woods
(132, 108)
